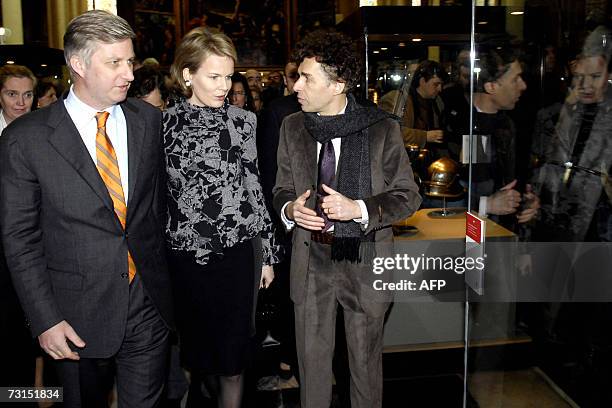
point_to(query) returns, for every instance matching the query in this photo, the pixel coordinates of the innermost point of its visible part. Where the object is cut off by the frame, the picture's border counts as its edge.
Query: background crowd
(540, 169)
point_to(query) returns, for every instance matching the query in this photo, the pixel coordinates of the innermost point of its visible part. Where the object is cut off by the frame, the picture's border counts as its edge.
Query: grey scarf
(353, 174)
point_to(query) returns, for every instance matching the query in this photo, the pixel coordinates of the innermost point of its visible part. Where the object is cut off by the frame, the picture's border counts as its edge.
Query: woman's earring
(187, 83)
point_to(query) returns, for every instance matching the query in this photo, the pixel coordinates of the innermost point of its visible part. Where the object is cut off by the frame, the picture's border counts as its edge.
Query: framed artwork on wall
(258, 28)
(157, 25)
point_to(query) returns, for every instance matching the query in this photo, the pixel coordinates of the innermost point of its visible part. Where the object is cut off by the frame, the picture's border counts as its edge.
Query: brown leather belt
(322, 237)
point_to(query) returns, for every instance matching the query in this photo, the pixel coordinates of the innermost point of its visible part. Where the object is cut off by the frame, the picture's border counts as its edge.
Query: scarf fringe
(350, 249)
(346, 249)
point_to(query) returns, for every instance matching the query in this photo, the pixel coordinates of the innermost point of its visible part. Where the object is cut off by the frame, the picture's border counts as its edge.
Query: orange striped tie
(108, 167)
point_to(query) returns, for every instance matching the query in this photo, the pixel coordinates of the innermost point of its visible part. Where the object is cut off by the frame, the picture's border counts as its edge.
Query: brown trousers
(330, 284)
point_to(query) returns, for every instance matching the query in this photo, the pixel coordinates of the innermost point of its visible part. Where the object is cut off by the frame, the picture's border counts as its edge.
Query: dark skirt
(214, 309)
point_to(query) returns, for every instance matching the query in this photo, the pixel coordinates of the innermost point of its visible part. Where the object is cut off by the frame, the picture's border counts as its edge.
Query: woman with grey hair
(219, 233)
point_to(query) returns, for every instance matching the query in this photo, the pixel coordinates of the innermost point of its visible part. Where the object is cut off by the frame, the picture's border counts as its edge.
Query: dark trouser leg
(365, 343)
(140, 363)
(340, 364)
(87, 382)
(143, 356)
(363, 322)
(315, 320)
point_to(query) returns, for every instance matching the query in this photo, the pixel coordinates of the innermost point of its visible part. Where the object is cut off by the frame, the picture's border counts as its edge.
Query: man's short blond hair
(94, 27)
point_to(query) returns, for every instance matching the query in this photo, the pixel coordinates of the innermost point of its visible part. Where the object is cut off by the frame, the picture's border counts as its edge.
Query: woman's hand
(267, 276)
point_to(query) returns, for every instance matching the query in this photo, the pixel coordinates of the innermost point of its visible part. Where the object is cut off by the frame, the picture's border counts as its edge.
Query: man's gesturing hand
(302, 215)
(339, 207)
(53, 341)
(505, 201)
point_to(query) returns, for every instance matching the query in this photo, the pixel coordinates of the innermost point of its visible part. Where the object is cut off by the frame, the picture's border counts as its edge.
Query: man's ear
(490, 87)
(78, 65)
(339, 88)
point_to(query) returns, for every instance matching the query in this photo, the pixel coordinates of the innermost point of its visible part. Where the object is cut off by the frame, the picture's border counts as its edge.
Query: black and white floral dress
(215, 211)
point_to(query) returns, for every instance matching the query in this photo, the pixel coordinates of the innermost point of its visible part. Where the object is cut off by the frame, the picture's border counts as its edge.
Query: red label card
(474, 228)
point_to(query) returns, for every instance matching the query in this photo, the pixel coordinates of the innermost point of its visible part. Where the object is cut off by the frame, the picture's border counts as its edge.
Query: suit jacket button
(124, 275)
(305, 243)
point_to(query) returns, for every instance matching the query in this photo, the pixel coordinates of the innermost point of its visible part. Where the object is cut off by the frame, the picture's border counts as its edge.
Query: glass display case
(521, 104)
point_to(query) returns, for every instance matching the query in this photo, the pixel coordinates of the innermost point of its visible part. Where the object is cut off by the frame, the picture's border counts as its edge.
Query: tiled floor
(419, 379)
(496, 389)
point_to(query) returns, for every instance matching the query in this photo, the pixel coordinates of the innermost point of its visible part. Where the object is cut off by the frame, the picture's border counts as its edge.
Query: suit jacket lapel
(135, 137)
(67, 141)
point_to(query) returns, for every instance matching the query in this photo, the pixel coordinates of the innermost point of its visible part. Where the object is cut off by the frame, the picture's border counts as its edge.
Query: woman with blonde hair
(17, 85)
(219, 234)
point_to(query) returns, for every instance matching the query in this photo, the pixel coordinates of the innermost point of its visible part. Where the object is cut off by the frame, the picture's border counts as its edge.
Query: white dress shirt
(337, 142)
(3, 123)
(84, 118)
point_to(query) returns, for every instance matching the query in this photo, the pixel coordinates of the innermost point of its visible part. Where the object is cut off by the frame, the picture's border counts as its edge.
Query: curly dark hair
(335, 52)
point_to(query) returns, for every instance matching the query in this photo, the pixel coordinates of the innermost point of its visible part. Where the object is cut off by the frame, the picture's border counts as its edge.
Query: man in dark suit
(81, 206)
(364, 184)
(268, 131)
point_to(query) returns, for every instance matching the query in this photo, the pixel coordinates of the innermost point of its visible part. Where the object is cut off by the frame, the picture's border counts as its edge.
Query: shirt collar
(80, 111)
(3, 123)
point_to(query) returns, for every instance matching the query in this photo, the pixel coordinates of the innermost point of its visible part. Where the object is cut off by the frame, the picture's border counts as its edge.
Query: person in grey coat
(364, 183)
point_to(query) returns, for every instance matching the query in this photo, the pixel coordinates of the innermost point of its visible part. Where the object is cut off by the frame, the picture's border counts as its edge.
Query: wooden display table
(433, 320)
(452, 227)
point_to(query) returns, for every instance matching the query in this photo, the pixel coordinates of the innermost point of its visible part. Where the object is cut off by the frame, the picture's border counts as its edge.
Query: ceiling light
(417, 39)
(517, 13)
